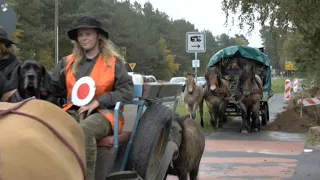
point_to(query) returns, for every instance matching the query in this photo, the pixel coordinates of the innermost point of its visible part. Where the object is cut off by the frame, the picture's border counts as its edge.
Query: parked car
(201, 80)
(150, 78)
(179, 80)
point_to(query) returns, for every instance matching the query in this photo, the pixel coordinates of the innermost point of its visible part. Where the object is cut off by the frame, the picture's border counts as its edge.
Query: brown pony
(217, 95)
(250, 88)
(193, 97)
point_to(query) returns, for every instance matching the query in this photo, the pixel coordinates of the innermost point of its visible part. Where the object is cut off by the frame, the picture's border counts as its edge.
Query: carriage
(149, 151)
(230, 61)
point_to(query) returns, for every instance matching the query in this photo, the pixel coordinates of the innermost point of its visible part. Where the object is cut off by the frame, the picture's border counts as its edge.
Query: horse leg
(183, 176)
(188, 109)
(194, 110)
(201, 113)
(193, 175)
(212, 116)
(221, 112)
(244, 115)
(255, 116)
(249, 119)
(216, 117)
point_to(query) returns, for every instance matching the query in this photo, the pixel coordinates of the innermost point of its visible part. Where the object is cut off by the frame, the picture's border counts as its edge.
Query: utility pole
(56, 31)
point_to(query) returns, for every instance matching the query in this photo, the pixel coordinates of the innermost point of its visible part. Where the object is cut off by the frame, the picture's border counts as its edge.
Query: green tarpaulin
(239, 51)
(245, 52)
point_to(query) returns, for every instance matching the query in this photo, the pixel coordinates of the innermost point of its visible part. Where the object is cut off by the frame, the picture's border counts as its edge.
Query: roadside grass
(279, 84)
(206, 116)
(312, 141)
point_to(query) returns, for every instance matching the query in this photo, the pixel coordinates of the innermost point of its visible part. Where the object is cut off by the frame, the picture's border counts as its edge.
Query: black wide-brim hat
(4, 37)
(87, 22)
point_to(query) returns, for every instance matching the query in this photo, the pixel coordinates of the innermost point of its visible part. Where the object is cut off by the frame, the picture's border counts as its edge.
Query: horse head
(190, 82)
(213, 78)
(246, 80)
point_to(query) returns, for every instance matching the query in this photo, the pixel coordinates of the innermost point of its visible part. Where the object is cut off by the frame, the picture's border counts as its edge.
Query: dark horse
(249, 93)
(216, 95)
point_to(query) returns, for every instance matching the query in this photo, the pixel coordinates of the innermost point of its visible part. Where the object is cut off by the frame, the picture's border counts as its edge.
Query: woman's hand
(89, 108)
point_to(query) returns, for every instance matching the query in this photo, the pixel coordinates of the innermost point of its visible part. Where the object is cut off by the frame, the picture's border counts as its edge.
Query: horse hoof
(256, 129)
(218, 129)
(244, 131)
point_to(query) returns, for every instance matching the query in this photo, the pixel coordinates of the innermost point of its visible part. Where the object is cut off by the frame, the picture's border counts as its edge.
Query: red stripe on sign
(288, 97)
(287, 82)
(310, 101)
(318, 99)
(287, 90)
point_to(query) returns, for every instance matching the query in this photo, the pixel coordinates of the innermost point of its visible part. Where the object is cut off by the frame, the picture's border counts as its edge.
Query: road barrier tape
(295, 85)
(310, 101)
(312, 84)
(287, 90)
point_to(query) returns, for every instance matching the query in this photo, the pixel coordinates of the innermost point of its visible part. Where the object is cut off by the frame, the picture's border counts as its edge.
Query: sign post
(132, 65)
(8, 18)
(195, 43)
(196, 65)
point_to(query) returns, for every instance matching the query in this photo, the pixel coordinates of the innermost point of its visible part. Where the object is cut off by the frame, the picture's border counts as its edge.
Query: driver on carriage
(93, 55)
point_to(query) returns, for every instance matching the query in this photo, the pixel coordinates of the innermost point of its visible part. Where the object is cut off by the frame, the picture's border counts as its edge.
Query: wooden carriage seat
(107, 141)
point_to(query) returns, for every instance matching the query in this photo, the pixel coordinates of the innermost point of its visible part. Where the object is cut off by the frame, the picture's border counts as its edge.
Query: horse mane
(249, 71)
(210, 70)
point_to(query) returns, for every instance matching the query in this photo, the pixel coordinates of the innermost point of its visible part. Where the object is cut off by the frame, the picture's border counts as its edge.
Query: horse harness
(259, 83)
(14, 110)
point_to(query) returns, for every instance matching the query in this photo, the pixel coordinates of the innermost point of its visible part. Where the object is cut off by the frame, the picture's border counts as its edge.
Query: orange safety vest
(103, 76)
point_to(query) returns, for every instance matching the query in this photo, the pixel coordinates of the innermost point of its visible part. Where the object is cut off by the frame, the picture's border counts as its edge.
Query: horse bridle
(14, 110)
(252, 91)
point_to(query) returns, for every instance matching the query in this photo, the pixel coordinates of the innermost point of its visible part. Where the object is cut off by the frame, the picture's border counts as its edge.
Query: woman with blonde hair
(8, 61)
(93, 55)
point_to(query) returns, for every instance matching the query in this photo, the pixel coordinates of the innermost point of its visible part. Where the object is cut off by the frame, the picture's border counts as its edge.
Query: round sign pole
(8, 18)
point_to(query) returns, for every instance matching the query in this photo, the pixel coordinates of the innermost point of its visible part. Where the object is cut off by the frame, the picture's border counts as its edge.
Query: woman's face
(87, 38)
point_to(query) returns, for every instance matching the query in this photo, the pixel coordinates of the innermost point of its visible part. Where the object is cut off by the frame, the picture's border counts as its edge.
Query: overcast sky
(198, 12)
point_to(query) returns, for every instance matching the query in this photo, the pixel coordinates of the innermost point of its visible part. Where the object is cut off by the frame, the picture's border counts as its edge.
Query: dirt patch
(290, 120)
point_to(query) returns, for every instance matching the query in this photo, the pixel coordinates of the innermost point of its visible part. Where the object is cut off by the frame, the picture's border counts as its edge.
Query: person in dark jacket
(8, 59)
(93, 55)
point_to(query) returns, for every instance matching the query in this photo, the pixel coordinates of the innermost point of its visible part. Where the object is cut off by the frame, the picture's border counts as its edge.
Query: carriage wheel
(150, 141)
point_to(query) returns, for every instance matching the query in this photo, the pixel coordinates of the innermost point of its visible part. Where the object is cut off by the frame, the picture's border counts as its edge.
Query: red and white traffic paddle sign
(83, 91)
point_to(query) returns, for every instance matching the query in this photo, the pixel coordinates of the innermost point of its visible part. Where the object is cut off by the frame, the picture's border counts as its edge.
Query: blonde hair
(6, 50)
(107, 48)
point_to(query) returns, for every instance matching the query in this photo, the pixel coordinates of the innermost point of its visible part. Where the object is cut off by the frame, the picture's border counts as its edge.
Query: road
(261, 155)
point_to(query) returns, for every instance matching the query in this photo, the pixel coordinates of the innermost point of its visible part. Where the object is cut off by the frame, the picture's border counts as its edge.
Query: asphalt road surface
(257, 155)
